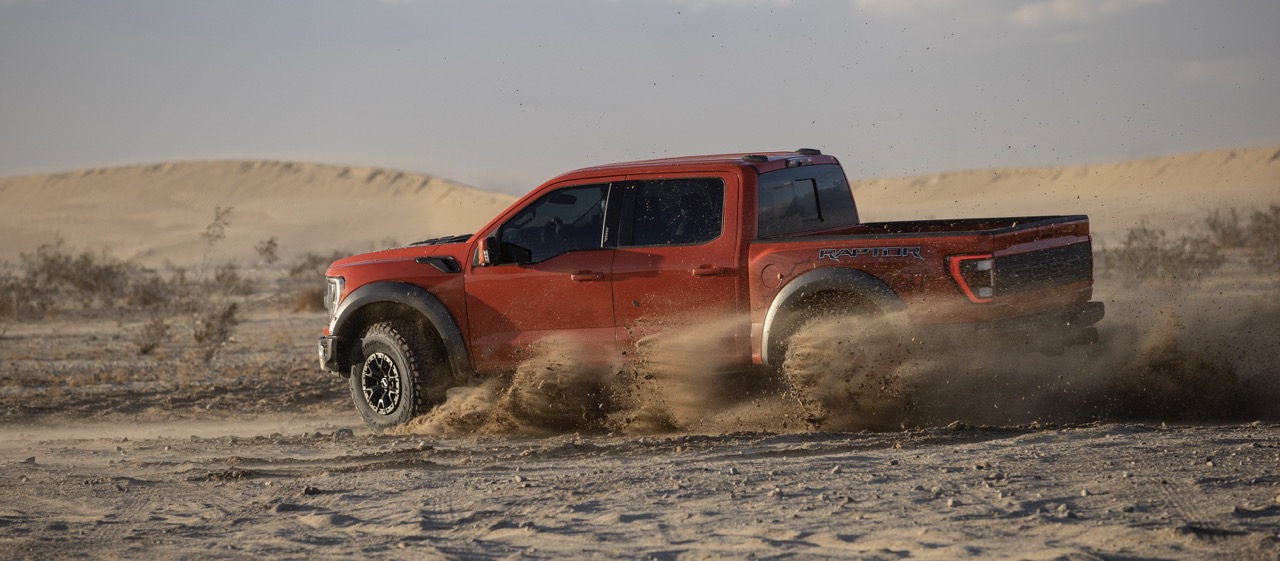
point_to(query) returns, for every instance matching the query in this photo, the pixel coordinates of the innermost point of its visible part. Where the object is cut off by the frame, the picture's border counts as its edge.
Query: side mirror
(488, 252)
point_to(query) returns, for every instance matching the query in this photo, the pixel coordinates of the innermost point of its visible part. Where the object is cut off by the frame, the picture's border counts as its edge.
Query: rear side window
(674, 212)
(804, 199)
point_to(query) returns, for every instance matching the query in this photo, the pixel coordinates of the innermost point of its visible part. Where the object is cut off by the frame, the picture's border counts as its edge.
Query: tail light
(976, 275)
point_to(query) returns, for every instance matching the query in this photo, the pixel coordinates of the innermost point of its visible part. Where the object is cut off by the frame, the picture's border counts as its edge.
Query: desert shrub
(94, 279)
(8, 292)
(152, 291)
(1226, 228)
(213, 328)
(1264, 239)
(309, 299)
(56, 279)
(311, 265)
(1149, 255)
(154, 334)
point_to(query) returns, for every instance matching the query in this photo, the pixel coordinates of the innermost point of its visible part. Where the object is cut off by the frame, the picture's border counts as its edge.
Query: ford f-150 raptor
(606, 254)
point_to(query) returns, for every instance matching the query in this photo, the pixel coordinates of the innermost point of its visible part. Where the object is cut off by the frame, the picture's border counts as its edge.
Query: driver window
(570, 219)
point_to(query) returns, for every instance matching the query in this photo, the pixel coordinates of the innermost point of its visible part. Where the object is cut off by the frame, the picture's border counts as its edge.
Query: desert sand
(1162, 441)
(150, 213)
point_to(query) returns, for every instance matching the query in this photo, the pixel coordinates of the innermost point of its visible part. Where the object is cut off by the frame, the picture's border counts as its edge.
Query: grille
(1035, 270)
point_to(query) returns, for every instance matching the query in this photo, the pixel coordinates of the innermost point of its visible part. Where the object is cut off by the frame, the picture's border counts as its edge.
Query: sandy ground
(1111, 491)
(1160, 442)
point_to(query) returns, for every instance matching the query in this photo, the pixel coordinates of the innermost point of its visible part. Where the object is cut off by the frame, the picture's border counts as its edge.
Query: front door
(551, 279)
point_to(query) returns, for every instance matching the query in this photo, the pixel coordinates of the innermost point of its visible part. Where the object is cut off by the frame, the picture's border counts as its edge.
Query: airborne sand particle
(853, 374)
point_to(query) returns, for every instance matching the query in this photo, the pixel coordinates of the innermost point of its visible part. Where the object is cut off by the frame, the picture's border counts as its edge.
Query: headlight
(333, 294)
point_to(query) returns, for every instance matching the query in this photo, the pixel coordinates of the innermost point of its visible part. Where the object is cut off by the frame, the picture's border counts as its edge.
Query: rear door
(677, 264)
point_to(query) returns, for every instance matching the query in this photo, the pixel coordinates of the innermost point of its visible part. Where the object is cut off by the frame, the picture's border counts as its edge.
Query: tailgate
(1027, 257)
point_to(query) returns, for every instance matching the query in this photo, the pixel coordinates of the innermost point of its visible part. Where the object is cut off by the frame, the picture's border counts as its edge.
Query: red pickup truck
(607, 254)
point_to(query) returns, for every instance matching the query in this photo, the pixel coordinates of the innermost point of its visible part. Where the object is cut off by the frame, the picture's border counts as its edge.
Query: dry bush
(1149, 255)
(309, 299)
(54, 277)
(154, 334)
(1226, 228)
(8, 293)
(1264, 239)
(213, 328)
(311, 265)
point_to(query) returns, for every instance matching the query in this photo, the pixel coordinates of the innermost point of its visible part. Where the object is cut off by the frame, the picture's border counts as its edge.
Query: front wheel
(395, 379)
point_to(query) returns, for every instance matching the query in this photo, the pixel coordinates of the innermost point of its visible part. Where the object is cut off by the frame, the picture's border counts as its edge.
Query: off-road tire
(841, 369)
(398, 376)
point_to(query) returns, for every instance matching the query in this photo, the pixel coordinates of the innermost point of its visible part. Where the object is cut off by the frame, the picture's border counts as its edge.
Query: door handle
(707, 271)
(586, 276)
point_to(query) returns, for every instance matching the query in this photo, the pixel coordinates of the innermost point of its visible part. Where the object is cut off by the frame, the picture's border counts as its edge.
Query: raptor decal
(873, 252)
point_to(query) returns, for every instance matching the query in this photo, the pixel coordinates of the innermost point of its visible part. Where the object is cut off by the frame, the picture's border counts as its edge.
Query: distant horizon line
(273, 160)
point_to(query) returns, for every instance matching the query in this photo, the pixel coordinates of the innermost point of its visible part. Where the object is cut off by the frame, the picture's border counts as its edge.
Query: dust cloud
(1163, 356)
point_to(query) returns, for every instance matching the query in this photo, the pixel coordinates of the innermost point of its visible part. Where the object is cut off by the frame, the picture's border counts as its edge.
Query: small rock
(343, 433)
(952, 503)
(893, 462)
(733, 471)
(520, 479)
(32, 460)
(1084, 492)
(836, 470)
(309, 490)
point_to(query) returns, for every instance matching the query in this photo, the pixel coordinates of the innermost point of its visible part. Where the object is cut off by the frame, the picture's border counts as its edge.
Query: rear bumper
(1046, 332)
(1071, 318)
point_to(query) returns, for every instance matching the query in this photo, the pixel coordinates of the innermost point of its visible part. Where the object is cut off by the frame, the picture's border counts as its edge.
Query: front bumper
(328, 354)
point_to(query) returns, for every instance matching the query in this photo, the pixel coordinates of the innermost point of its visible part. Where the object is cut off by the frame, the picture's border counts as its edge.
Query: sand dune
(1169, 191)
(155, 213)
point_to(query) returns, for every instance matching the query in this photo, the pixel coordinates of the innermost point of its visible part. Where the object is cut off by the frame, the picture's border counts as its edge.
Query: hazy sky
(505, 94)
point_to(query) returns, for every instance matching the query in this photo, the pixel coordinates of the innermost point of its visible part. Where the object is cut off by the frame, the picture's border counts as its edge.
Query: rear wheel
(844, 367)
(399, 376)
